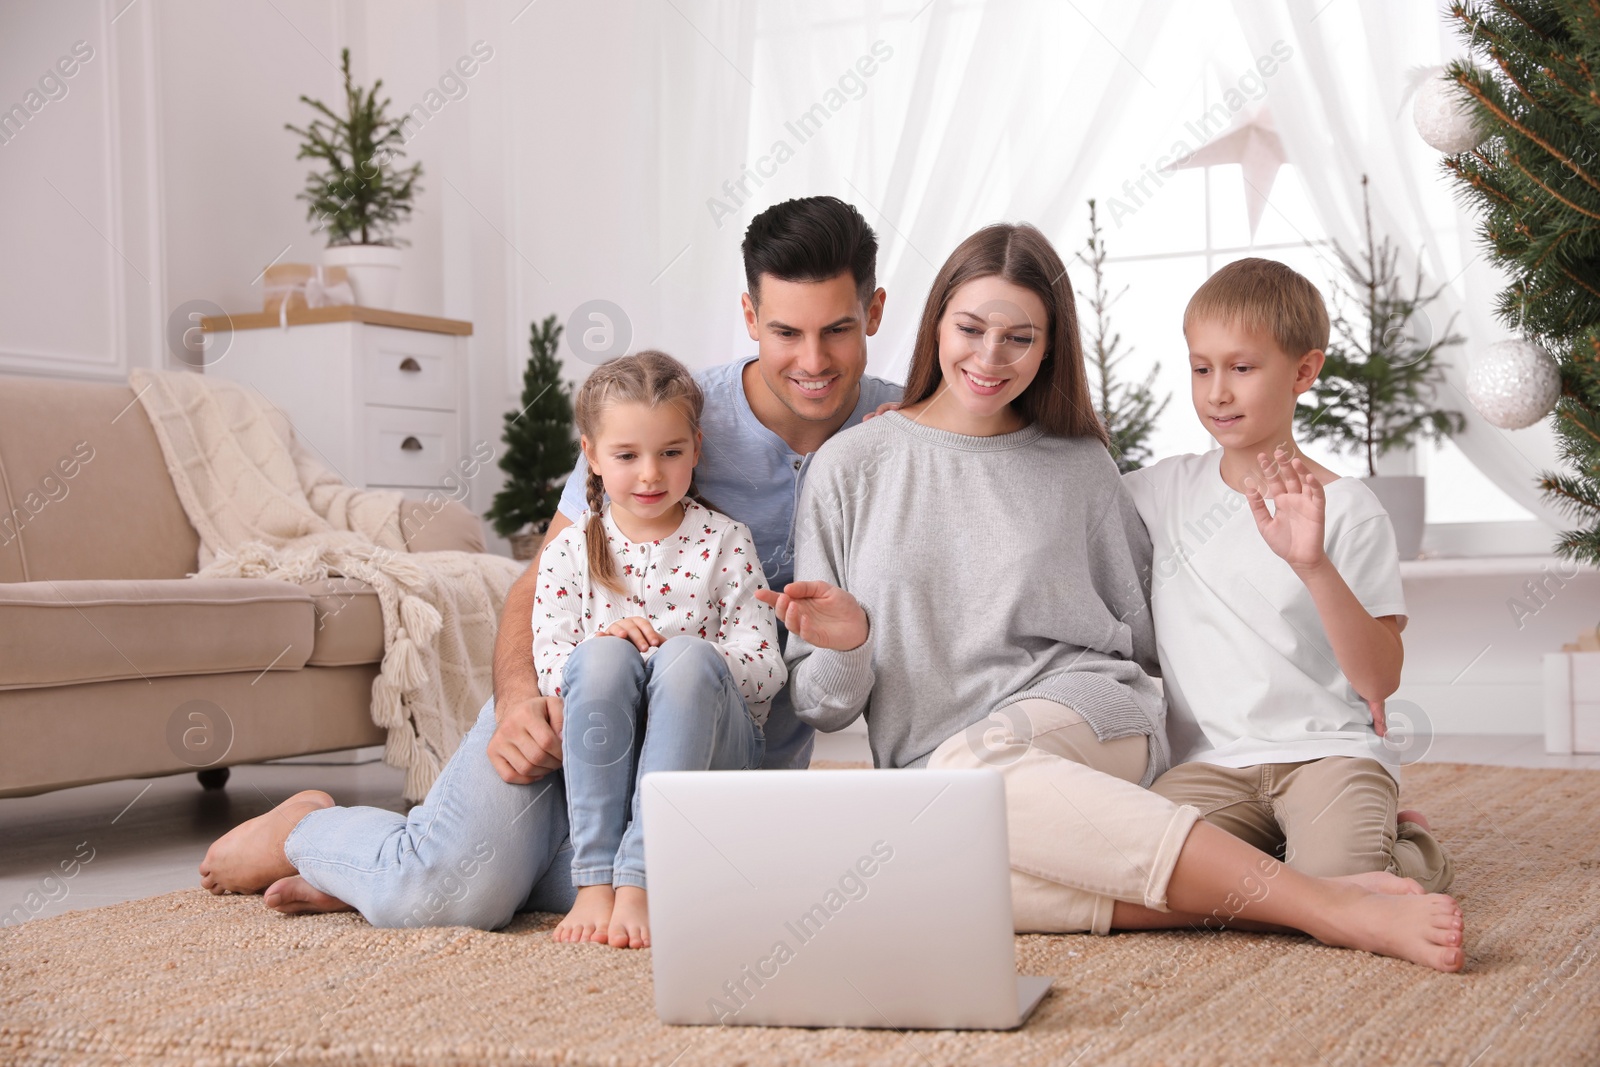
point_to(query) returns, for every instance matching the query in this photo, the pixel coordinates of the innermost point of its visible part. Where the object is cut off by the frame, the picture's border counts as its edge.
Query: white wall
(82, 290)
(1474, 662)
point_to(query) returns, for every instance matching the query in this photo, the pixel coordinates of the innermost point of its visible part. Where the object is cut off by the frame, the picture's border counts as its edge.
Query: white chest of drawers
(379, 395)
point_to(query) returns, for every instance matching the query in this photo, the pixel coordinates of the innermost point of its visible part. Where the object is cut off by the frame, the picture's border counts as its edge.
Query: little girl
(645, 622)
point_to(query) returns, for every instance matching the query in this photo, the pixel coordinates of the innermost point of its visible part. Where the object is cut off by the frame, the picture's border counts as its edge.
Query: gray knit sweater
(992, 570)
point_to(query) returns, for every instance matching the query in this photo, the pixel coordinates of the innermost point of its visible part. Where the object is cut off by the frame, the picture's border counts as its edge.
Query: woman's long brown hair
(1058, 397)
(647, 377)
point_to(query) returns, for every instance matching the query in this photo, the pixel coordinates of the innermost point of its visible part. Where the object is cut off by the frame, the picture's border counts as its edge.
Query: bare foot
(1422, 929)
(589, 917)
(250, 857)
(1383, 882)
(630, 919)
(1413, 816)
(296, 896)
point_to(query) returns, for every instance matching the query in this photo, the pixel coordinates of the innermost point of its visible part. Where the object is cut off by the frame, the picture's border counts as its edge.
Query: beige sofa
(112, 663)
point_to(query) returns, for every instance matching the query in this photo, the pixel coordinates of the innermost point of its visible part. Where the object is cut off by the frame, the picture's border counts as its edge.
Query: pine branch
(1495, 109)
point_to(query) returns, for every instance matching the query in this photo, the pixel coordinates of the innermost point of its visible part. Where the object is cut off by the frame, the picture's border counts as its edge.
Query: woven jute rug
(190, 978)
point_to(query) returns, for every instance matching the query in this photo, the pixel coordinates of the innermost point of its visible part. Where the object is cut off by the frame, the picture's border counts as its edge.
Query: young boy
(1277, 602)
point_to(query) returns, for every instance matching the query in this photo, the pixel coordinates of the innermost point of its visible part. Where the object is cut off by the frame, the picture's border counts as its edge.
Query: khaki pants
(1326, 817)
(1082, 833)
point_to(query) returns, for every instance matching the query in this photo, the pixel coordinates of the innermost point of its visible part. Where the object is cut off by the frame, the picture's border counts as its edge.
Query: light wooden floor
(147, 837)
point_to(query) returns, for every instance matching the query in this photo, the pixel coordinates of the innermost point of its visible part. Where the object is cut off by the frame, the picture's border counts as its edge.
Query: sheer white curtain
(1342, 111)
(621, 120)
(973, 113)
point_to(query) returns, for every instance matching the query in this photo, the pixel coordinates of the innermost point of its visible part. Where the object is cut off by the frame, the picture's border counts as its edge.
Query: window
(1166, 232)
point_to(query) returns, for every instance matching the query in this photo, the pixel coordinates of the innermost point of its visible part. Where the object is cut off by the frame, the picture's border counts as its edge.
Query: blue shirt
(746, 471)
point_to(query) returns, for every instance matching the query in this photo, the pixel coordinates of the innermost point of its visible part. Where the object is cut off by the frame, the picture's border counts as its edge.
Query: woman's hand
(635, 628)
(822, 614)
(1294, 528)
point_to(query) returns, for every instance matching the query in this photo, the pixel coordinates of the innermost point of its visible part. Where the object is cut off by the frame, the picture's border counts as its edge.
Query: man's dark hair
(811, 240)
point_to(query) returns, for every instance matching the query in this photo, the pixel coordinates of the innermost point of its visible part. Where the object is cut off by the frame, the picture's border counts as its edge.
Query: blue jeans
(474, 853)
(789, 741)
(626, 717)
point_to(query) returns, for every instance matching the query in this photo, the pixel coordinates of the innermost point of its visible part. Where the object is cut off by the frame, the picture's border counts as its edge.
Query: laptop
(833, 898)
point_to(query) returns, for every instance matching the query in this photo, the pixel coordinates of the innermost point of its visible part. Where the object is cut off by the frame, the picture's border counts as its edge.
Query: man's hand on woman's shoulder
(882, 409)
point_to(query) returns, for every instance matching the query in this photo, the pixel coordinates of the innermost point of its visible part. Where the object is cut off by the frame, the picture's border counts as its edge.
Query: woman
(968, 576)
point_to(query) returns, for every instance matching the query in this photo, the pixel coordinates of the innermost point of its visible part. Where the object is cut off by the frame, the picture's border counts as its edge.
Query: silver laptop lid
(830, 898)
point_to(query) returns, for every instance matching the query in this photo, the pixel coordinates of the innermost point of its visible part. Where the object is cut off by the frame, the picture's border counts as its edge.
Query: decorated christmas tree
(1530, 166)
(540, 449)
(1128, 409)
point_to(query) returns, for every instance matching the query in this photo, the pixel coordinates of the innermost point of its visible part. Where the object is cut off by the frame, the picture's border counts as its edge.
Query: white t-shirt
(1250, 675)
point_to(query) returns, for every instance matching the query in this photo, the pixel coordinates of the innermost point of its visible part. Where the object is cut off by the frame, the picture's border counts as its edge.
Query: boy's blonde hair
(1267, 296)
(648, 377)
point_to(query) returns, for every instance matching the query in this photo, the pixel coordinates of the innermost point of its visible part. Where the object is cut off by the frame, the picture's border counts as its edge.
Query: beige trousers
(1326, 817)
(1082, 832)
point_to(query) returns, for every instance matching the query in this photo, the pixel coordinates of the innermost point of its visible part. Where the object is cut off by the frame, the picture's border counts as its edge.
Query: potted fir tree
(1377, 387)
(1128, 409)
(540, 450)
(363, 194)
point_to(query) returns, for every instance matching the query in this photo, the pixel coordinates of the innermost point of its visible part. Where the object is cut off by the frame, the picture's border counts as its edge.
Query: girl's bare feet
(250, 857)
(590, 917)
(296, 896)
(630, 919)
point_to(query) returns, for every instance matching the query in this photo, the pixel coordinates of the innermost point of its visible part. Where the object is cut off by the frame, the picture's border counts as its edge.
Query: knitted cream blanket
(265, 507)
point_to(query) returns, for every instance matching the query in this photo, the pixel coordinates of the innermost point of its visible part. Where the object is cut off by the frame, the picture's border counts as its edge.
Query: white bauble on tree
(1514, 384)
(1444, 116)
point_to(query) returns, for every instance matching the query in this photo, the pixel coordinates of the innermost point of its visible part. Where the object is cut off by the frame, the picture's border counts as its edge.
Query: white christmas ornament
(1514, 384)
(1443, 116)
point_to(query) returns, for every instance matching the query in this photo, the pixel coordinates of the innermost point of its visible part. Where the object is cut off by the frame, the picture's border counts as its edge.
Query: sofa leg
(213, 777)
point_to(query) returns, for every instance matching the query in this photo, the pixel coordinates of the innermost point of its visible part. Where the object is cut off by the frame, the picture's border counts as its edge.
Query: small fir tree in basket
(540, 448)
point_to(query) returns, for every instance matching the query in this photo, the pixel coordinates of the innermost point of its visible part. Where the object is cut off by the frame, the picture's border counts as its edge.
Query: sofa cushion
(435, 523)
(74, 734)
(63, 632)
(349, 627)
(84, 489)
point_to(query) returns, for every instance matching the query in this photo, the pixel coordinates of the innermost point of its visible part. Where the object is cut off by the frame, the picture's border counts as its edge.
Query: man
(497, 826)
(811, 305)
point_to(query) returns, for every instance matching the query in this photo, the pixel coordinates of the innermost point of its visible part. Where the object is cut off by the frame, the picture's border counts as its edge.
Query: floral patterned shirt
(701, 580)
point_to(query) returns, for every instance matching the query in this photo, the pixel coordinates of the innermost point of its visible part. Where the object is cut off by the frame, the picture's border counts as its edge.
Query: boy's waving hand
(1294, 528)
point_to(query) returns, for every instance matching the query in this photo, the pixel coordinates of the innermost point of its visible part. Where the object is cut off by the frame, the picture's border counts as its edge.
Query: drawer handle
(410, 365)
(411, 444)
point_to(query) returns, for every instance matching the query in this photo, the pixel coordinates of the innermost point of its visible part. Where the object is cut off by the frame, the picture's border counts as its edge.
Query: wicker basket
(525, 545)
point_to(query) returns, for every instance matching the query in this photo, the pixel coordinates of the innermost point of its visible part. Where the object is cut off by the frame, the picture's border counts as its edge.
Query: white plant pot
(374, 271)
(1404, 497)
